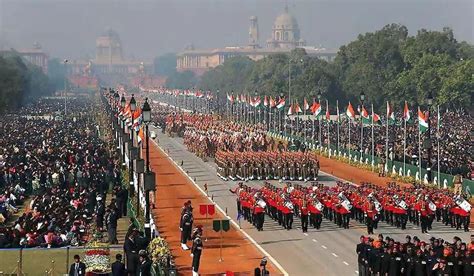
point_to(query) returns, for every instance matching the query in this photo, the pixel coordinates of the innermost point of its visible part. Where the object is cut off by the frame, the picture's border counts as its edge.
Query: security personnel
(361, 256)
(186, 227)
(196, 250)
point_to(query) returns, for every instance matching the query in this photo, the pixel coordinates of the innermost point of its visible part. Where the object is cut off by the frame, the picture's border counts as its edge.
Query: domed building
(285, 37)
(108, 47)
(285, 32)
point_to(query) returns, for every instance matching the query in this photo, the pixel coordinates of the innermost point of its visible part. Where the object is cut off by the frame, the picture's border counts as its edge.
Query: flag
(281, 103)
(316, 108)
(390, 114)
(375, 118)
(350, 111)
(305, 104)
(256, 101)
(290, 110)
(141, 135)
(328, 116)
(198, 94)
(272, 102)
(422, 121)
(230, 98)
(265, 101)
(365, 116)
(297, 108)
(406, 113)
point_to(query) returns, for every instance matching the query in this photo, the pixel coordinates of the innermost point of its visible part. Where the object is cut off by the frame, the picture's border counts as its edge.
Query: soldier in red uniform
(303, 203)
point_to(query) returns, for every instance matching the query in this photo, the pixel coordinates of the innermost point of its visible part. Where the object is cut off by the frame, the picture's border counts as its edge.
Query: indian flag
(290, 110)
(422, 121)
(365, 116)
(316, 109)
(230, 98)
(328, 115)
(305, 104)
(350, 111)
(406, 113)
(298, 108)
(272, 102)
(390, 114)
(281, 103)
(265, 101)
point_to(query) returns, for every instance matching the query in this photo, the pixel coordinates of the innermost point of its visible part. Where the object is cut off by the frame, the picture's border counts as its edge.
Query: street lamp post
(146, 115)
(362, 98)
(122, 126)
(429, 101)
(133, 107)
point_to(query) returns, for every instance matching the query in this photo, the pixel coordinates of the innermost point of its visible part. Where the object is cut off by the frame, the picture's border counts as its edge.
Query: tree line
(21, 81)
(387, 64)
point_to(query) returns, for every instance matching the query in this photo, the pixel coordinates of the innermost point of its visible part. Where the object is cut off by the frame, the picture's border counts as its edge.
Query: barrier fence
(44, 261)
(398, 169)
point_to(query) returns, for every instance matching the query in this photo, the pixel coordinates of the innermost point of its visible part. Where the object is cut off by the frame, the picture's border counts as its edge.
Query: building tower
(285, 32)
(253, 32)
(109, 48)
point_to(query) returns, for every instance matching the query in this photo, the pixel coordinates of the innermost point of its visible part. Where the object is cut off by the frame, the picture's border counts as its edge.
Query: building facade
(284, 38)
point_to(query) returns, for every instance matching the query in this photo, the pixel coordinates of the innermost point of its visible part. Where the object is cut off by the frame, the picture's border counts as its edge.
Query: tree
(57, 74)
(181, 80)
(165, 65)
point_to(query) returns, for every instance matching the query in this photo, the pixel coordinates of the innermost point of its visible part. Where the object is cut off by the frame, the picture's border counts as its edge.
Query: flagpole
(437, 140)
(328, 120)
(304, 116)
(349, 144)
(419, 149)
(373, 144)
(337, 107)
(404, 144)
(361, 133)
(386, 142)
(319, 131)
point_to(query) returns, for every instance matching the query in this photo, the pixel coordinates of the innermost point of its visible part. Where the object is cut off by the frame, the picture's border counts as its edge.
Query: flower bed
(97, 258)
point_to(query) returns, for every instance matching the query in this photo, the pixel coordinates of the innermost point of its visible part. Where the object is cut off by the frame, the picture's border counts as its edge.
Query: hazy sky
(68, 28)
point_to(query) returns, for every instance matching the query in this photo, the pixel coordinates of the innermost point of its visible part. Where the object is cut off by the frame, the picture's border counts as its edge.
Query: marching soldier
(304, 213)
(370, 213)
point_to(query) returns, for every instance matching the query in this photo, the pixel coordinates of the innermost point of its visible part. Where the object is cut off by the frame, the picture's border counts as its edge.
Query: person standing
(304, 213)
(186, 227)
(131, 251)
(361, 256)
(144, 268)
(78, 268)
(112, 226)
(196, 251)
(118, 268)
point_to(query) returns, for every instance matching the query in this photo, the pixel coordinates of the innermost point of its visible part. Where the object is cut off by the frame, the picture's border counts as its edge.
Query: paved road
(327, 251)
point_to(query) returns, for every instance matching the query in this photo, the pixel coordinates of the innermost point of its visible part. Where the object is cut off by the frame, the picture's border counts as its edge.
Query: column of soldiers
(367, 204)
(415, 257)
(267, 165)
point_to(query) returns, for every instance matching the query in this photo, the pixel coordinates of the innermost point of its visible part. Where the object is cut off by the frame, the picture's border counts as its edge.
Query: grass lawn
(38, 261)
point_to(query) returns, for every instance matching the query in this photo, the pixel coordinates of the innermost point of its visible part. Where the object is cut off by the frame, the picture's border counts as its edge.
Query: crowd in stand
(66, 170)
(455, 137)
(415, 257)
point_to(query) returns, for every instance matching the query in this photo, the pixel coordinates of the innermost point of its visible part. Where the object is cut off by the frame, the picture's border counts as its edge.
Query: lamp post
(429, 101)
(146, 115)
(320, 96)
(133, 107)
(255, 108)
(281, 121)
(362, 99)
(122, 126)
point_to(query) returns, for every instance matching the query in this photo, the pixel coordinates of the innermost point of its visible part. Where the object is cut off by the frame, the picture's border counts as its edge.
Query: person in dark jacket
(144, 268)
(131, 251)
(78, 268)
(361, 256)
(118, 268)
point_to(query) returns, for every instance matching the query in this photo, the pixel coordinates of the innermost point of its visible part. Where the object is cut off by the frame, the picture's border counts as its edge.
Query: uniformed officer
(196, 249)
(186, 226)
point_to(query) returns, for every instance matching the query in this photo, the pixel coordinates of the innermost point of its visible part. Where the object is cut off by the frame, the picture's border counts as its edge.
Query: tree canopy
(387, 64)
(20, 81)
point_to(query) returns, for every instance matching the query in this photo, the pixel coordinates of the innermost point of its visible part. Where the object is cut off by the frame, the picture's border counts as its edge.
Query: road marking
(323, 246)
(345, 263)
(306, 234)
(315, 240)
(334, 254)
(277, 264)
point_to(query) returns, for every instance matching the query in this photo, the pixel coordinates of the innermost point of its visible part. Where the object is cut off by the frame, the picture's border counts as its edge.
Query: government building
(285, 37)
(109, 65)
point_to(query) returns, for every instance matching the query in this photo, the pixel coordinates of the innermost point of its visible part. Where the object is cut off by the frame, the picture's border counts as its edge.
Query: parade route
(327, 251)
(239, 254)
